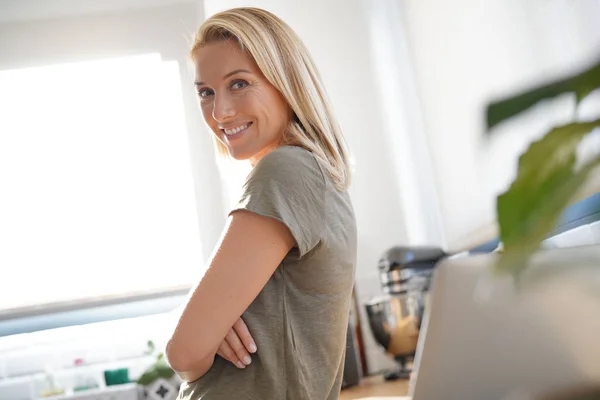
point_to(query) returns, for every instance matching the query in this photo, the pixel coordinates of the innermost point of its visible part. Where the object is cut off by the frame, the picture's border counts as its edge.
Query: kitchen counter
(375, 387)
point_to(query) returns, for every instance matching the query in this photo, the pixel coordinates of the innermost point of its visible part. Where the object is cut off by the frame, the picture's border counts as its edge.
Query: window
(96, 189)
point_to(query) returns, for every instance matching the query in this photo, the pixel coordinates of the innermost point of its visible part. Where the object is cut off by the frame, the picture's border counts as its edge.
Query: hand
(237, 345)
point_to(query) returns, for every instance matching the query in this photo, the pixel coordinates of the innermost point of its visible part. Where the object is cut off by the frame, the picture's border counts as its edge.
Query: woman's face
(246, 113)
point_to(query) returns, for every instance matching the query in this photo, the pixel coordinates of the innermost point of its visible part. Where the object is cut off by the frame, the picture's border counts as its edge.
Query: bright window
(96, 188)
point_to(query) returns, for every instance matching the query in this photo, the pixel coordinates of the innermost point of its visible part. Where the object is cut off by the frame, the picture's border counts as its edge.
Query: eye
(204, 93)
(239, 84)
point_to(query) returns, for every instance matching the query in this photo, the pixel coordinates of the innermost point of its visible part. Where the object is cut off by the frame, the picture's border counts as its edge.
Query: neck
(257, 157)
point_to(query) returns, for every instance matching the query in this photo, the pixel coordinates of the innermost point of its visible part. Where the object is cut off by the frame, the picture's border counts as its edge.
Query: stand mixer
(395, 318)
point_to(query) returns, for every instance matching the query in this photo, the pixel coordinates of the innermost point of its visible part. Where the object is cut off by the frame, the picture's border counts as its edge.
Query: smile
(234, 131)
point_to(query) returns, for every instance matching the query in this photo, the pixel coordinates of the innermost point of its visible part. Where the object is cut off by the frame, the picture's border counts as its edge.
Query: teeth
(235, 130)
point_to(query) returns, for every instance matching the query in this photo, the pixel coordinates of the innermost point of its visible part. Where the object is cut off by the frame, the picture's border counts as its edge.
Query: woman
(283, 270)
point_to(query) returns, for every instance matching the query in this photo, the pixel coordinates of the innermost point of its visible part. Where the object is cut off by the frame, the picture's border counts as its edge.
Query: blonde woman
(268, 320)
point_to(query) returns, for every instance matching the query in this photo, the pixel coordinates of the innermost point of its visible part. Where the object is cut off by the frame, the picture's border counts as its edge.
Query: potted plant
(548, 176)
(566, 289)
(158, 381)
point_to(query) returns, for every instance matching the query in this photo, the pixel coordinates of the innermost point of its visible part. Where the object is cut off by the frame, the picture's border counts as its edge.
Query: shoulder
(291, 162)
(288, 184)
(289, 155)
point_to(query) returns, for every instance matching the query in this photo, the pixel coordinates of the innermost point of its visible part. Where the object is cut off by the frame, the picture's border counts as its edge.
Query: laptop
(483, 340)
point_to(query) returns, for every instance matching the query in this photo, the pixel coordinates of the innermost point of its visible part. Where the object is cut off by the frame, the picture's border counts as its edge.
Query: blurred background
(111, 198)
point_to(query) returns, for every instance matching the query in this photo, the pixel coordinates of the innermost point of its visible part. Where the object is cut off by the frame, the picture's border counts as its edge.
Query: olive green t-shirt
(299, 319)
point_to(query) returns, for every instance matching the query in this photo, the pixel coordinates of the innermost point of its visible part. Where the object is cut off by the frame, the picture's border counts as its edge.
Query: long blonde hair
(286, 63)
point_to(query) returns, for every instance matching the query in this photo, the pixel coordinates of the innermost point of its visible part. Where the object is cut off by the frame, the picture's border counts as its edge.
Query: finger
(245, 336)
(237, 346)
(237, 362)
(226, 352)
(229, 354)
(222, 355)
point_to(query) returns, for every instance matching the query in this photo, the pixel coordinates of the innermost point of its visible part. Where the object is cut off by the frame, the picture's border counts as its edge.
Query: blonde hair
(285, 62)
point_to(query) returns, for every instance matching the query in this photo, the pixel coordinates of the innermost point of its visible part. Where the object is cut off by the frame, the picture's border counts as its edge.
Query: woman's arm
(251, 248)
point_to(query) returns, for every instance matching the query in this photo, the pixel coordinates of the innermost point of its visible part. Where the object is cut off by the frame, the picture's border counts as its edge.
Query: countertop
(375, 388)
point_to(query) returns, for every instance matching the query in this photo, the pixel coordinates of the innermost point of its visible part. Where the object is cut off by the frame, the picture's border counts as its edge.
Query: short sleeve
(288, 184)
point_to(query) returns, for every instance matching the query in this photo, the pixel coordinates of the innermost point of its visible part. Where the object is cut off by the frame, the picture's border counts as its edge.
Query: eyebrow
(237, 71)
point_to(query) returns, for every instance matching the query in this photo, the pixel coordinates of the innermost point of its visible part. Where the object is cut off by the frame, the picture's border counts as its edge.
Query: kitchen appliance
(395, 318)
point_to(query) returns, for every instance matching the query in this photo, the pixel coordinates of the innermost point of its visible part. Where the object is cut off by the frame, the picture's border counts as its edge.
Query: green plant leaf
(159, 369)
(164, 371)
(581, 84)
(148, 377)
(545, 184)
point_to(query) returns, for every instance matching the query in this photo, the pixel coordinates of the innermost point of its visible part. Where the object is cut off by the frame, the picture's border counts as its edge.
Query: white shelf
(128, 391)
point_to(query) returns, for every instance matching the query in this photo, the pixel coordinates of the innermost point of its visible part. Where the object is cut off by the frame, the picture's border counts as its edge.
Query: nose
(223, 108)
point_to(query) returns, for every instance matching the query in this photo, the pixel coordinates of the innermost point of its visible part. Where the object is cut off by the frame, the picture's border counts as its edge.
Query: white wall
(469, 52)
(28, 10)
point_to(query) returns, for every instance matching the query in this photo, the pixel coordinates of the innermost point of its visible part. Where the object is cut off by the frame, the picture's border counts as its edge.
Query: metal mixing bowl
(395, 321)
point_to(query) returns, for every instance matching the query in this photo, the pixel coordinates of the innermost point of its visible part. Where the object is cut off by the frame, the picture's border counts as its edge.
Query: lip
(238, 134)
(231, 126)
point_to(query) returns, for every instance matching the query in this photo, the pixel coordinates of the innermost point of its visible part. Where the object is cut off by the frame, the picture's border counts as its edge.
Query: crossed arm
(250, 249)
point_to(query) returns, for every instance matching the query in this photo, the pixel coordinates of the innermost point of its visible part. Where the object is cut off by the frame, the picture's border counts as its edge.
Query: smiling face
(245, 112)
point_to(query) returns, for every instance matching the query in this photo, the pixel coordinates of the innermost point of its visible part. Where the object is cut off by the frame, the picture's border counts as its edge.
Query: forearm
(197, 334)
(247, 256)
(189, 360)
